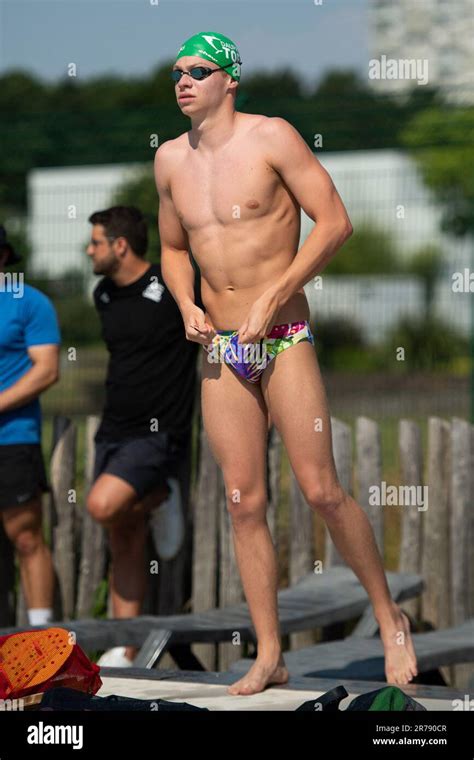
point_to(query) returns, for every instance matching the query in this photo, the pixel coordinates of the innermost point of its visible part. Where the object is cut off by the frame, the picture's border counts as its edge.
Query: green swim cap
(214, 47)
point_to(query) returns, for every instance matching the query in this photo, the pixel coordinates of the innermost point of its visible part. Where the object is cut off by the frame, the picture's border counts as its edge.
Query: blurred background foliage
(112, 119)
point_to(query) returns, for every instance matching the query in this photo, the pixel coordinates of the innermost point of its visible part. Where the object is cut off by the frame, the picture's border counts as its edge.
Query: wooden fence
(436, 542)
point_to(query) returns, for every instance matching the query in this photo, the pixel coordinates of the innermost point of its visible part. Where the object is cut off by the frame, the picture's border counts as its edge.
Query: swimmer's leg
(236, 422)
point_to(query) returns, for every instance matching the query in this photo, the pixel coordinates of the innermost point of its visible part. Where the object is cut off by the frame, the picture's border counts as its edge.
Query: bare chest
(220, 190)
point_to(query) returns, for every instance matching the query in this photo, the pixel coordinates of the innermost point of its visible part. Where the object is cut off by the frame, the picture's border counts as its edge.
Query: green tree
(441, 140)
(111, 119)
(426, 264)
(141, 192)
(429, 344)
(368, 251)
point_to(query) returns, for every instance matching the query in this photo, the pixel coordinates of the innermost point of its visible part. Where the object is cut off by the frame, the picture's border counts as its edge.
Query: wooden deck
(210, 690)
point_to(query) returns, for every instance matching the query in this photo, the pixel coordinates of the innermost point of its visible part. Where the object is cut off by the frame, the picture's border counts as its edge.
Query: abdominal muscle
(234, 274)
(228, 309)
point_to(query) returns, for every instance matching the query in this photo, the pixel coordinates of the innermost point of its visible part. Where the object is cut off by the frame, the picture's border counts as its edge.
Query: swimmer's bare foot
(400, 657)
(263, 673)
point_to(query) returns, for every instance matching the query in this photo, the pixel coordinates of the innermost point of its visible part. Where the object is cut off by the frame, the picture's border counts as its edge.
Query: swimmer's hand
(196, 327)
(259, 319)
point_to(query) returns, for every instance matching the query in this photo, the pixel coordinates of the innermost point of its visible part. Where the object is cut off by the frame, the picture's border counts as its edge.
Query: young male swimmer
(232, 189)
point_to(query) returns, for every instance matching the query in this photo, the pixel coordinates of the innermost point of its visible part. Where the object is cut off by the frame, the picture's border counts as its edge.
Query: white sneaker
(115, 658)
(167, 523)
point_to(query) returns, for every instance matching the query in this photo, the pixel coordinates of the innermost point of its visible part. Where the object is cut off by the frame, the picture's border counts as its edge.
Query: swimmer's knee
(325, 499)
(245, 504)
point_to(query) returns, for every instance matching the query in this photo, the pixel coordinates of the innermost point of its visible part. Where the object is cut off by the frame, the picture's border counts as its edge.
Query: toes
(399, 679)
(241, 689)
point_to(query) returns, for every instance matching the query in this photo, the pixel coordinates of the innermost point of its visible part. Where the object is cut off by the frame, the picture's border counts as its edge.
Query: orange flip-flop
(30, 658)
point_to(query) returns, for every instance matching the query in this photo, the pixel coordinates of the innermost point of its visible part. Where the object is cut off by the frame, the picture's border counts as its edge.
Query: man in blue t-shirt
(29, 357)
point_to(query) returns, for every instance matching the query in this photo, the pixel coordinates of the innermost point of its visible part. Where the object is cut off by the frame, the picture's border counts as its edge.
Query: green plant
(333, 336)
(99, 605)
(368, 251)
(427, 343)
(426, 264)
(77, 316)
(440, 140)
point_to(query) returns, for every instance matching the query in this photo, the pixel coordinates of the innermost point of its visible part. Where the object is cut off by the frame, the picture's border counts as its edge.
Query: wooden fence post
(302, 550)
(342, 447)
(63, 465)
(21, 611)
(435, 527)
(209, 499)
(461, 551)
(93, 549)
(273, 481)
(369, 473)
(411, 472)
(470, 542)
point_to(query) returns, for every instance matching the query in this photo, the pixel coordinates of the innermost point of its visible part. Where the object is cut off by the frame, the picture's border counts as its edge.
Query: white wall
(60, 200)
(376, 186)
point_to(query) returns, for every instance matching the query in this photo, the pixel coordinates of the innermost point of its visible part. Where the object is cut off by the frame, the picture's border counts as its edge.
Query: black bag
(71, 699)
(389, 698)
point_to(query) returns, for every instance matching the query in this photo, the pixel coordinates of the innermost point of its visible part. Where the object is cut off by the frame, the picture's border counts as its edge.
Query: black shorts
(22, 474)
(145, 463)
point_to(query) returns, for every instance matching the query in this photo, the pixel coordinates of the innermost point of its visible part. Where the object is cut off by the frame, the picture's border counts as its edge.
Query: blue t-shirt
(24, 322)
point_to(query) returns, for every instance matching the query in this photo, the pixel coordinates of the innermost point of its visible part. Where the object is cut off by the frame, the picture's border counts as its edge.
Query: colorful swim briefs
(250, 360)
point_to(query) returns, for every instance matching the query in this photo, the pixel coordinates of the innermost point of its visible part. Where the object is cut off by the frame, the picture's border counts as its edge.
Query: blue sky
(130, 37)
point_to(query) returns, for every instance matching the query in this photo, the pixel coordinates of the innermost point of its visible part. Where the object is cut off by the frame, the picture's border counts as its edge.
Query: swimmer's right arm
(176, 267)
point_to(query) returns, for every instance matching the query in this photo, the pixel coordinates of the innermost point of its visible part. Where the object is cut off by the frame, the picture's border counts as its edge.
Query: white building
(384, 188)
(436, 31)
(60, 201)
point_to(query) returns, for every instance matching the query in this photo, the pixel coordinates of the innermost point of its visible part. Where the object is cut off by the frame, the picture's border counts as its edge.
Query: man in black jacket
(150, 390)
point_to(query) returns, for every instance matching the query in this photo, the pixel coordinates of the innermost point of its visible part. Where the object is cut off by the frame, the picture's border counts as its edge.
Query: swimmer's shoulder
(276, 137)
(251, 123)
(272, 126)
(169, 149)
(267, 129)
(165, 158)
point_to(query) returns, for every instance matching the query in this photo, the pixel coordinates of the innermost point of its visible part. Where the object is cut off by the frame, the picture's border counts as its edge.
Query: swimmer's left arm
(289, 155)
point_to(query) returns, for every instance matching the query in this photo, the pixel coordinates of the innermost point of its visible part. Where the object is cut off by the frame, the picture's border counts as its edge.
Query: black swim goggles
(199, 72)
